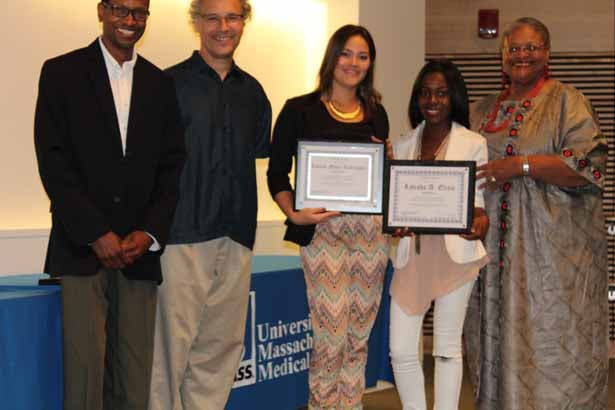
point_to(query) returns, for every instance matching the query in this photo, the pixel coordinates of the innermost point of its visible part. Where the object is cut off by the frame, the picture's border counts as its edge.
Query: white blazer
(463, 145)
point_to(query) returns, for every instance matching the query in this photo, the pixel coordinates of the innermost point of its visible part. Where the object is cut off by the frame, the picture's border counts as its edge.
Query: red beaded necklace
(490, 126)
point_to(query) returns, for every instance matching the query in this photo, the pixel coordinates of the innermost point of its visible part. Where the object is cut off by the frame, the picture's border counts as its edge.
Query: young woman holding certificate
(438, 268)
(343, 256)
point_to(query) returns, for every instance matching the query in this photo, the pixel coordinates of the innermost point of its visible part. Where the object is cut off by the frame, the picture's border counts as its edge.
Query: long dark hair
(457, 91)
(366, 92)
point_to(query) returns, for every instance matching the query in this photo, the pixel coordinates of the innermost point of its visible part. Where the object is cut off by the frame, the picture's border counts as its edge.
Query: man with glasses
(201, 317)
(110, 149)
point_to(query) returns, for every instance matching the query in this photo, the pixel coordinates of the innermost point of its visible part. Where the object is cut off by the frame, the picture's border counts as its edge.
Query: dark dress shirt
(306, 117)
(228, 125)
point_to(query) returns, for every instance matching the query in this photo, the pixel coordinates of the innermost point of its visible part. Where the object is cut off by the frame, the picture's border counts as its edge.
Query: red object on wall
(488, 25)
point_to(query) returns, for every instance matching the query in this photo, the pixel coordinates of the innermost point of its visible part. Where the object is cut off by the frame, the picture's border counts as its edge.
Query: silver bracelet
(525, 168)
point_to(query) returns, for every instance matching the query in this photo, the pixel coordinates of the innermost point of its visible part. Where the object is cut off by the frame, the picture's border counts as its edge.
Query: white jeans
(449, 313)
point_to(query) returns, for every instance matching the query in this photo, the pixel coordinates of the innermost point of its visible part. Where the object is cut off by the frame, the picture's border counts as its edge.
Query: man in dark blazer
(109, 146)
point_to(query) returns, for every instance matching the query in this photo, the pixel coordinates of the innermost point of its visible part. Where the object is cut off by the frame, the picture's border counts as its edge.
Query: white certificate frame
(431, 197)
(339, 176)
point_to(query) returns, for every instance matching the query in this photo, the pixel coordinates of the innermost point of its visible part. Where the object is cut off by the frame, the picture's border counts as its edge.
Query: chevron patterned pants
(344, 269)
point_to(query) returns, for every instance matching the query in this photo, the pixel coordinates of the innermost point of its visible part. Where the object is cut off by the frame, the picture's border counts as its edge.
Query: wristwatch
(525, 167)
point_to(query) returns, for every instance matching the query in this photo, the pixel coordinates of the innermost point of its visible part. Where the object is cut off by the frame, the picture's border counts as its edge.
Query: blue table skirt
(30, 348)
(273, 371)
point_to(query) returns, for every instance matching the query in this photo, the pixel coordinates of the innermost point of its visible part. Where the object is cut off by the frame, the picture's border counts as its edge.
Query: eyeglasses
(231, 19)
(121, 11)
(527, 48)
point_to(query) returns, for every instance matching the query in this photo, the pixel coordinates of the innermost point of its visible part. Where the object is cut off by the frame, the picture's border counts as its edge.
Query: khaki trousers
(108, 324)
(200, 324)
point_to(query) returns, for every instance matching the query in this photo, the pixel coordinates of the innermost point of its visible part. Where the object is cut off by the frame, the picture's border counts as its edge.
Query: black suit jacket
(93, 187)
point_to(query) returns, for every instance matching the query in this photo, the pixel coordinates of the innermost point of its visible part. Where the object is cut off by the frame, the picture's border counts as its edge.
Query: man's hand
(108, 250)
(135, 245)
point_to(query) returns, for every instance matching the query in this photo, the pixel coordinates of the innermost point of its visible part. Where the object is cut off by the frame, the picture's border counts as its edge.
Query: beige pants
(108, 341)
(200, 324)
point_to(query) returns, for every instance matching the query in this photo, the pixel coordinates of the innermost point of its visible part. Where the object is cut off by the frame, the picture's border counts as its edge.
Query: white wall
(22, 251)
(587, 26)
(282, 47)
(398, 28)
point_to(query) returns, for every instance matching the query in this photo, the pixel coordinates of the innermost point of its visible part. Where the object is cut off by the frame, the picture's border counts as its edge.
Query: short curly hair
(195, 10)
(536, 24)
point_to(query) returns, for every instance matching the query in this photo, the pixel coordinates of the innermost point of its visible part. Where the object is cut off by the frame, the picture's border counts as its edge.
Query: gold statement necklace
(344, 115)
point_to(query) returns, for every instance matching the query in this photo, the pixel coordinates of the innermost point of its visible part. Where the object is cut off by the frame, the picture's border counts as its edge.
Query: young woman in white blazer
(436, 268)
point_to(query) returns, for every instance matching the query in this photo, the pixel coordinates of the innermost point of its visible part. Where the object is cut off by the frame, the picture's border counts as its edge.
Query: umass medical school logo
(273, 348)
(246, 372)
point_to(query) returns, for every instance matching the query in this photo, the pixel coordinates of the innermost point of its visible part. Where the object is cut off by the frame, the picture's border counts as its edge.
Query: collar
(414, 133)
(411, 138)
(111, 62)
(199, 64)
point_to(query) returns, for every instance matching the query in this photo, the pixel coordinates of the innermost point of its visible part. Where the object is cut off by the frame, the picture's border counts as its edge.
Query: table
(273, 371)
(30, 348)
(278, 339)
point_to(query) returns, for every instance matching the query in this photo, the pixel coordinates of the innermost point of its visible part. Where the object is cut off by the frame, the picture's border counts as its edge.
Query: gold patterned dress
(536, 329)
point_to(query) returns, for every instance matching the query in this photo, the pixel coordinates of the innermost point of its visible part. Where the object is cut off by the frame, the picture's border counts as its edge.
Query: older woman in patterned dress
(536, 330)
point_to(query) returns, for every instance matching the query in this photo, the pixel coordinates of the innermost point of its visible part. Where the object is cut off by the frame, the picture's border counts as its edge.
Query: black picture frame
(466, 169)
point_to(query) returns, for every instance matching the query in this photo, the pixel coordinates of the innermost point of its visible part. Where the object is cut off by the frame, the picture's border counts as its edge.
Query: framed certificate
(429, 196)
(339, 176)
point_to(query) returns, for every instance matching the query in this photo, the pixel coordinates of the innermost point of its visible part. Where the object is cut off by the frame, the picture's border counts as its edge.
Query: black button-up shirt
(228, 125)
